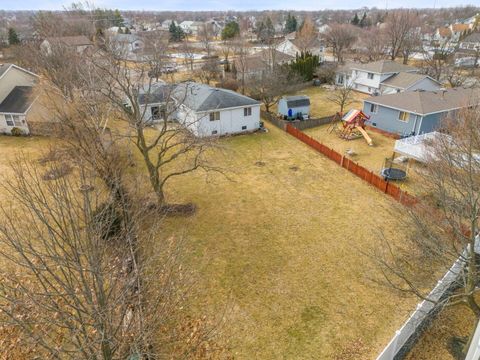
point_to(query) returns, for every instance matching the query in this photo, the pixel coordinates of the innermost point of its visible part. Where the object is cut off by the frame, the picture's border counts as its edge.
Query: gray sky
(235, 4)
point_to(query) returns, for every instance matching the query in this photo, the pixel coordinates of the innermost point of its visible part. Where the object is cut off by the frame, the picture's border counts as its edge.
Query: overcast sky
(234, 4)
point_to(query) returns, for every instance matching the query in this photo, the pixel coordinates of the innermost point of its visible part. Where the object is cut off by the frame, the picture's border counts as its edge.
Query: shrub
(57, 171)
(17, 131)
(107, 221)
(230, 84)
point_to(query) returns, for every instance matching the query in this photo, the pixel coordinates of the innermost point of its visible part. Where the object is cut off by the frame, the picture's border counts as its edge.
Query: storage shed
(294, 106)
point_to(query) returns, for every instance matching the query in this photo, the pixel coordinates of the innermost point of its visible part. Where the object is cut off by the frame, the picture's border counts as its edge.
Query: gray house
(417, 112)
(406, 81)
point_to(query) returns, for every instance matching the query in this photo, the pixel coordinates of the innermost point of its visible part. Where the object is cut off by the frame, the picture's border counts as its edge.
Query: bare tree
(209, 71)
(373, 41)
(205, 35)
(342, 96)
(445, 223)
(400, 24)
(241, 48)
(340, 37)
(437, 60)
(306, 35)
(272, 85)
(411, 44)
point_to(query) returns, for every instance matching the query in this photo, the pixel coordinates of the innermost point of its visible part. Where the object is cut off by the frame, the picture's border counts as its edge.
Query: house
(256, 65)
(296, 46)
(417, 112)
(468, 52)
(154, 102)
(208, 111)
(126, 44)
(191, 27)
(367, 78)
(166, 24)
(406, 81)
(16, 97)
(78, 43)
(451, 33)
(294, 106)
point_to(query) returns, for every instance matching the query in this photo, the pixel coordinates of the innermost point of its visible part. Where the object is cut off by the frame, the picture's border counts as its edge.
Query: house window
(369, 89)
(247, 111)
(373, 108)
(214, 132)
(340, 79)
(13, 120)
(244, 127)
(370, 76)
(215, 116)
(403, 116)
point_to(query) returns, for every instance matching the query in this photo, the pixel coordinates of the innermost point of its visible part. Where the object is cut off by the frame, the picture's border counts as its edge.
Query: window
(214, 132)
(155, 112)
(244, 127)
(215, 116)
(369, 89)
(340, 79)
(403, 116)
(373, 108)
(370, 76)
(13, 120)
(247, 111)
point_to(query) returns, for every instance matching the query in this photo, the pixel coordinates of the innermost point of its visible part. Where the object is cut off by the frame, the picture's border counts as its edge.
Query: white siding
(231, 122)
(6, 129)
(14, 77)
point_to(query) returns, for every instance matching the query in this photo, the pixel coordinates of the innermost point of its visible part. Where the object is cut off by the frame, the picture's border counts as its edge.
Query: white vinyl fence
(407, 332)
(474, 349)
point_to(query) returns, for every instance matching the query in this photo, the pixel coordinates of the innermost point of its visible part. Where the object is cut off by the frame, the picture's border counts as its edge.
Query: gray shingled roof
(158, 93)
(383, 67)
(79, 40)
(297, 101)
(201, 97)
(404, 80)
(428, 102)
(18, 101)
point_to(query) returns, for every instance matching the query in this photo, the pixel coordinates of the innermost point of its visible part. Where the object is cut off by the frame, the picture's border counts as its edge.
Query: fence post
(341, 161)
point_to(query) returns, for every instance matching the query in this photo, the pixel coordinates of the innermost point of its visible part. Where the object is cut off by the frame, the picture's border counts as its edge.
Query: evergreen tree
(176, 32)
(290, 24)
(266, 30)
(305, 65)
(355, 21)
(118, 19)
(230, 30)
(364, 21)
(13, 37)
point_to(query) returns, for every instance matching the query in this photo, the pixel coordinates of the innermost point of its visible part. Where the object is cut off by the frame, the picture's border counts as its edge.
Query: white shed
(294, 106)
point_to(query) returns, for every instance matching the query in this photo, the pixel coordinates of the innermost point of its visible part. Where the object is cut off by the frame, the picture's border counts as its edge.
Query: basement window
(214, 132)
(244, 127)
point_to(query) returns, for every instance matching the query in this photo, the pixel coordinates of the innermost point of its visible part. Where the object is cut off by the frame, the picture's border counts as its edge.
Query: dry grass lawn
(321, 106)
(279, 247)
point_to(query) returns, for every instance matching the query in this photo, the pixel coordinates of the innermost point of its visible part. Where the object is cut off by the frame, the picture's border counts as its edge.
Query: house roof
(384, 67)
(157, 93)
(429, 102)
(297, 101)
(460, 27)
(18, 101)
(306, 45)
(444, 32)
(125, 38)
(4, 68)
(404, 80)
(473, 38)
(201, 97)
(345, 68)
(79, 40)
(261, 60)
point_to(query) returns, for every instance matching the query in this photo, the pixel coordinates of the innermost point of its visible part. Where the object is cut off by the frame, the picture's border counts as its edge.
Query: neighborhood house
(208, 111)
(16, 98)
(417, 112)
(78, 43)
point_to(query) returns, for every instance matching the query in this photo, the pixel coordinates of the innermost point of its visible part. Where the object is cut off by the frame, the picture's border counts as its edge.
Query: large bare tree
(400, 26)
(340, 37)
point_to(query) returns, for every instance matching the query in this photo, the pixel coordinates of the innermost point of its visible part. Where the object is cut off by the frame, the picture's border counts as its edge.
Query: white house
(296, 46)
(16, 97)
(126, 44)
(154, 102)
(208, 111)
(368, 78)
(191, 27)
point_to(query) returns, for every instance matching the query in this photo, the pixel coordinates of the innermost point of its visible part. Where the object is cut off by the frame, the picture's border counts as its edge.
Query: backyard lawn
(280, 247)
(321, 106)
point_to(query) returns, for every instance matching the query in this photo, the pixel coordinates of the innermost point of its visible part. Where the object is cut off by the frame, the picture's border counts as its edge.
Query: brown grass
(279, 247)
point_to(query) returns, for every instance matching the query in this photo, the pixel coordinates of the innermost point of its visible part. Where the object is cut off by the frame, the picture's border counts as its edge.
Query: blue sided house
(417, 112)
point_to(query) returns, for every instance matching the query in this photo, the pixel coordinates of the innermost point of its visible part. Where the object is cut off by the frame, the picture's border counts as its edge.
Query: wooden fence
(298, 124)
(363, 173)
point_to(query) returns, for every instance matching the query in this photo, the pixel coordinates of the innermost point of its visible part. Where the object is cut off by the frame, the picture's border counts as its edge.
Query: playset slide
(368, 139)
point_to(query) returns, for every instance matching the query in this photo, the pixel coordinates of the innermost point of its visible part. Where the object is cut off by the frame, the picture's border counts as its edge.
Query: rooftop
(79, 40)
(474, 37)
(18, 101)
(404, 80)
(384, 67)
(429, 102)
(201, 97)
